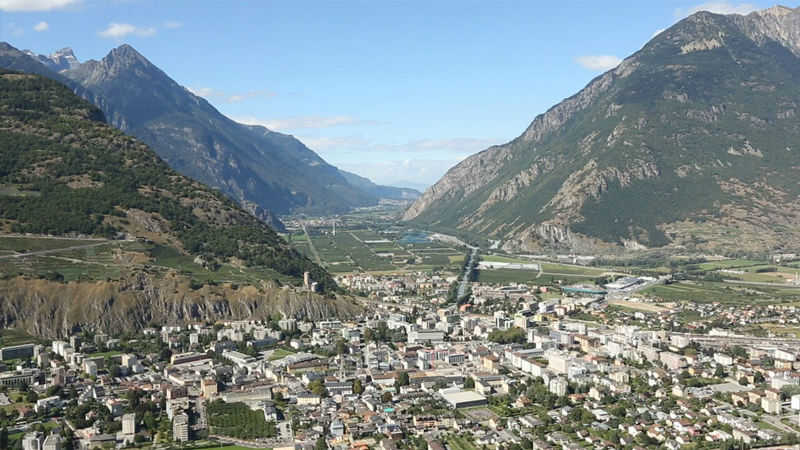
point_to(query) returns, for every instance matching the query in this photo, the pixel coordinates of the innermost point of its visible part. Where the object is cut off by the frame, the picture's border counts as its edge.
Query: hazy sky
(392, 90)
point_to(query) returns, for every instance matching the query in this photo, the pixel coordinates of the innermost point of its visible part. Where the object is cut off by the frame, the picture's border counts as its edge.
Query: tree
(4, 438)
(386, 397)
(402, 379)
(509, 336)
(469, 383)
(743, 381)
(321, 444)
(165, 354)
(719, 372)
(69, 443)
(317, 388)
(358, 388)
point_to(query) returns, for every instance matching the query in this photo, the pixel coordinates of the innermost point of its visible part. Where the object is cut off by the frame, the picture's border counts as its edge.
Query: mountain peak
(65, 52)
(777, 10)
(125, 55)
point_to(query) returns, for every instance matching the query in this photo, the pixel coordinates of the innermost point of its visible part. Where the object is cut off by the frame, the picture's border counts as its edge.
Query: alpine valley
(691, 142)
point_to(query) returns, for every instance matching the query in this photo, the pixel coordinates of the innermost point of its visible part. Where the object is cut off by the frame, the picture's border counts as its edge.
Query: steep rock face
(648, 152)
(52, 310)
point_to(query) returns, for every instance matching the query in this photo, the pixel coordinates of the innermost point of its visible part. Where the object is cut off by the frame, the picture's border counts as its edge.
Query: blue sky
(391, 90)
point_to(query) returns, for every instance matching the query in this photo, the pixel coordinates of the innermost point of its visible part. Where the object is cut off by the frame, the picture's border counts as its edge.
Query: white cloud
(422, 171)
(250, 94)
(14, 29)
(598, 62)
(658, 31)
(41, 26)
(215, 94)
(120, 30)
(459, 147)
(171, 24)
(718, 7)
(36, 5)
(326, 144)
(206, 92)
(302, 123)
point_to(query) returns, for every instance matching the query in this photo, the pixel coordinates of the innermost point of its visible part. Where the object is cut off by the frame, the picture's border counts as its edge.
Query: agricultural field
(591, 272)
(368, 250)
(10, 337)
(530, 277)
(95, 259)
(457, 442)
(726, 293)
(781, 330)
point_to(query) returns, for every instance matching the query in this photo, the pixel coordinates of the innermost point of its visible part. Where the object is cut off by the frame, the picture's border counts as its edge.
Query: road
(462, 288)
(54, 250)
(311, 245)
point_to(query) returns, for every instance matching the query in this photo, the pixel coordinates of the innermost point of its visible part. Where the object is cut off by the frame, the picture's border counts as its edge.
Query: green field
(9, 337)
(500, 258)
(707, 292)
(505, 276)
(729, 264)
(363, 249)
(572, 270)
(279, 353)
(459, 443)
(101, 260)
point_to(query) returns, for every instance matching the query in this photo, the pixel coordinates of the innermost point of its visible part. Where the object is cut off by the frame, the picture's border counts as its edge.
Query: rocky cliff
(52, 310)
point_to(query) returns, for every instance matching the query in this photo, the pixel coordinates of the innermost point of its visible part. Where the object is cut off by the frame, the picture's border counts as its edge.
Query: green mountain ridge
(90, 179)
(690, 142)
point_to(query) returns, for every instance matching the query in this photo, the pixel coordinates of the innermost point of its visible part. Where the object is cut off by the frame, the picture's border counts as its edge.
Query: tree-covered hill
(63, 171)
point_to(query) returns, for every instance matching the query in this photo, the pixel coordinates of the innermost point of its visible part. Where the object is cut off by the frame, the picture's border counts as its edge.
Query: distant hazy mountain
(692, 141)
(261, 169)
(389, 192)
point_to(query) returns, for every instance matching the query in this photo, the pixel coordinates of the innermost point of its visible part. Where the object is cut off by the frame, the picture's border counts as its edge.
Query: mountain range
(265, 171)
(692, 142)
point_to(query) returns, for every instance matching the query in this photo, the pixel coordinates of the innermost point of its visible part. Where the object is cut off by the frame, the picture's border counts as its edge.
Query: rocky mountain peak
(779, 23)
(58, 61)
